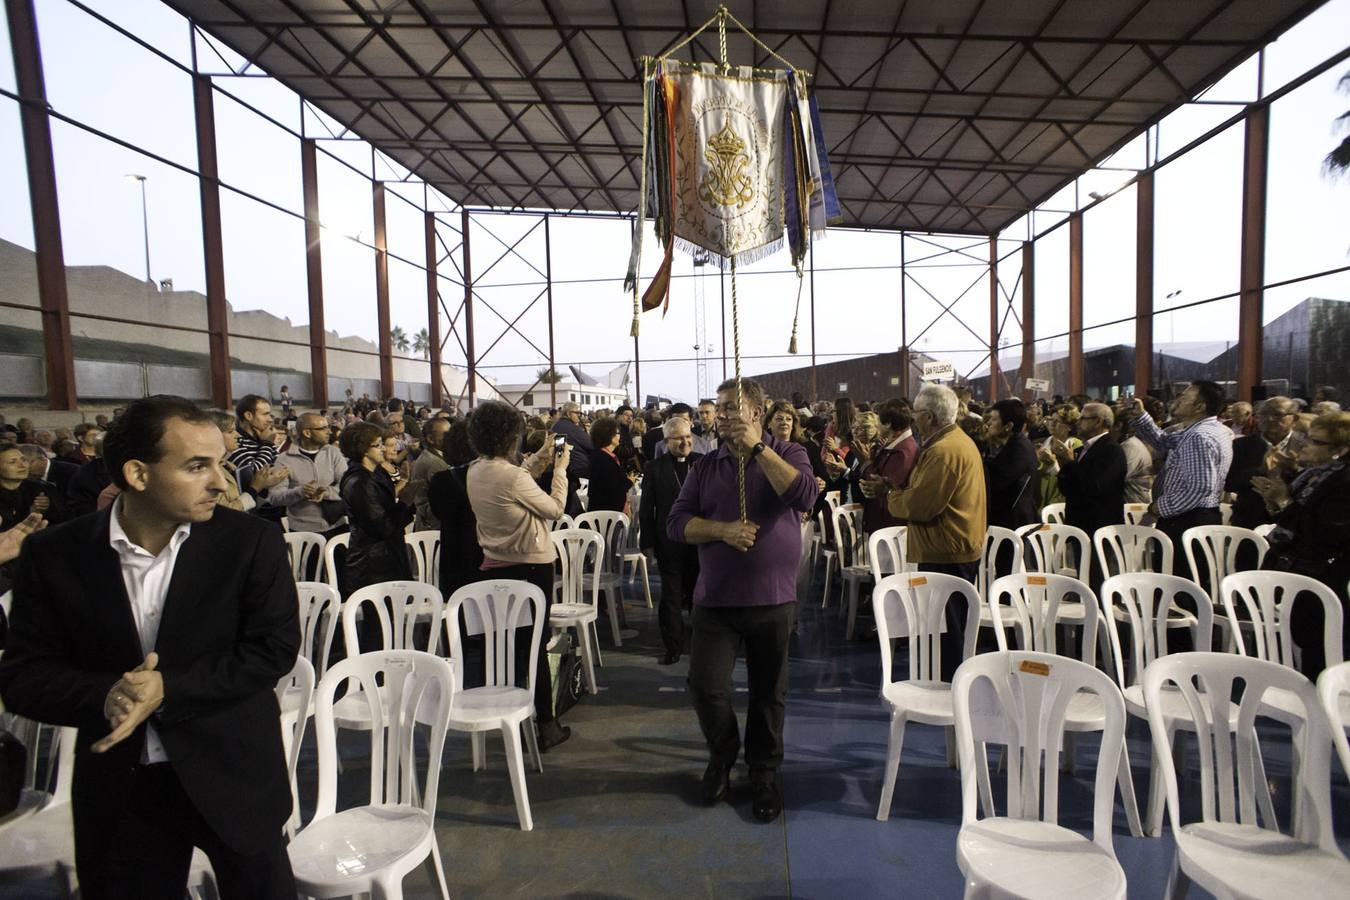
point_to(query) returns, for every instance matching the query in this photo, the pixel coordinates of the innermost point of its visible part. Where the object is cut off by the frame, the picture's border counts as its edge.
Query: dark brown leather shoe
(716, 783)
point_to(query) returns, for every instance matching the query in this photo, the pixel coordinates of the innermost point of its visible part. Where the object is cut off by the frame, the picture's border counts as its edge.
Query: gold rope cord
(642, 200)
(736, 354)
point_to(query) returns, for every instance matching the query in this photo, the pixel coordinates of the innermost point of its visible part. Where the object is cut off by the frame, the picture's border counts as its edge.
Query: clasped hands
(132, 700)
(740, 535)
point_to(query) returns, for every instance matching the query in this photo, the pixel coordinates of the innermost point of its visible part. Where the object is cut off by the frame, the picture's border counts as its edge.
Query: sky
(146, 101)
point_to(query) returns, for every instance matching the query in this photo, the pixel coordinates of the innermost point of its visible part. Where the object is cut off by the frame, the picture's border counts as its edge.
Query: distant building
(590, 392)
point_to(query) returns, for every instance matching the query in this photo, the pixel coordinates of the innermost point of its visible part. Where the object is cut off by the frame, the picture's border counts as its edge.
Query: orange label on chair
(1036, 579)
(918, 582)
(1033, 668)
(1046, 527)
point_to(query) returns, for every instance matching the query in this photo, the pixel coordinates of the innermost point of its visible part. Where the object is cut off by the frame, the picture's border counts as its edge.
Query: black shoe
(767, 801)
(716, 783)
(551, 734)
(670, 658)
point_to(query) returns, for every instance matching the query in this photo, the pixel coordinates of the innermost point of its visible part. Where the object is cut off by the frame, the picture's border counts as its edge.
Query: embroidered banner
(728, 138)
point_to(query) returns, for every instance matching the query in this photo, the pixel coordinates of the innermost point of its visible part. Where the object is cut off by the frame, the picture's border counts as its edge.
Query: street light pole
(145, 224)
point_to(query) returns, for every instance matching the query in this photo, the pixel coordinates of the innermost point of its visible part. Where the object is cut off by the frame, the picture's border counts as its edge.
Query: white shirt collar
(900, 438)
(1092, 440)
(117, 535)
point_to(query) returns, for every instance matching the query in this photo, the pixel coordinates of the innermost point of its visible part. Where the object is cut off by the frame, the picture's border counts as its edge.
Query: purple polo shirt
(766, 574)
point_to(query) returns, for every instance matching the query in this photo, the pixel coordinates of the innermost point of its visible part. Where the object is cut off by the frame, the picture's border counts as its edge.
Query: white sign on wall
(939, 371)
(1038, 384)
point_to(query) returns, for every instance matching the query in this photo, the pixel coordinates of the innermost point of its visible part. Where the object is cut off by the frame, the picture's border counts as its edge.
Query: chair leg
(1126, 781)
(587, 660)
(612, 601)
(1178, 884)
(532, 741)
(893, 747)
(515, 764)
(595, 644)
(478, 740)
(438, 870)
(829, 568)
(1157, 793)
(1261, 784)
(646, 582)
(853, 591)
(386, 888)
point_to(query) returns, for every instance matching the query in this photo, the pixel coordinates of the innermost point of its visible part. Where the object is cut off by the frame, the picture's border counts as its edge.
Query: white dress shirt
(147, 578)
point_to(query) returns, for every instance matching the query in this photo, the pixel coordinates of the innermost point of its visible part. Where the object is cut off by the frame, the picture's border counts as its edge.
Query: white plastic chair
(330, 562)
(1333, 687)
(1126, 549)
(612, 528)
(424, 548)
(495, 609)
(997, 541)
(1135, 513)
(848, 532)
(42, 845)
(913, 606)
(369, 849)
(304, 546)
(576, 548)
(1225, 513)
(584, 492)
(412, 604)
(1058, 549)
(1211, 552)
(562, 522)
(630, 554)
(829, 549)
(1053, 514)
(1265, 530)
(1227, 852)
(1022, 700)
(299, 684)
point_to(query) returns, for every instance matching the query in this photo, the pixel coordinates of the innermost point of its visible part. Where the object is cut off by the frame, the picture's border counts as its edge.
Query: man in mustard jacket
(944, 504)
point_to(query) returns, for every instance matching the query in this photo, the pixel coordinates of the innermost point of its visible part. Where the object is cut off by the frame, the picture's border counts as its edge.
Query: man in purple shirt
(746, 588)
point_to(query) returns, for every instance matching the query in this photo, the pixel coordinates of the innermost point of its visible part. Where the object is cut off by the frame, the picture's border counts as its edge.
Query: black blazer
(1011, 484)
(1094, 486)
(461, 555)
(609, 485)
(1321, 545)
(375, 550)
(230, 631)
(1249, 454)
(660, 489)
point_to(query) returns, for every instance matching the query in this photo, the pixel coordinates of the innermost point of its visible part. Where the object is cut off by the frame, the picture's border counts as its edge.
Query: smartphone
(558, 443)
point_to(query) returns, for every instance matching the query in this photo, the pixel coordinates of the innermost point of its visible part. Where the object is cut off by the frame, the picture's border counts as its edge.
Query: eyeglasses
(1318, 442)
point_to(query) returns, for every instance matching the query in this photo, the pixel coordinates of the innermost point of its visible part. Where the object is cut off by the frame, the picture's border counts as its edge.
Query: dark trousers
(679, 572)
(718, 631)
(541, 576)
(1180, 640)
(144, 850)
(953, 640)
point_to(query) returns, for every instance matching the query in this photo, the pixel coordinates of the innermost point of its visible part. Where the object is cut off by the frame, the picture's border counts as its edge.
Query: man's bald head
(312, 430)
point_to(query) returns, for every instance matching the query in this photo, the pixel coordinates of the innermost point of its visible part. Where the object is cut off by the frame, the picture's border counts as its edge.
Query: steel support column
(1075, 385)
(811, 259)
(318, 337)
(433, 311)
(548, 276)
(1252, 286)
(382, 319)
(470, 361)
(904, 326)
(993, 320)
(57, 349)
(1143, 284)
(1028, 369)
(213, 245)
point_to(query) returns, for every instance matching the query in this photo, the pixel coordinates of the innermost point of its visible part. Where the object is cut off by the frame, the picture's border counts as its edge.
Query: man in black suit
(1252, 456)
(159, 628)
(677, 563)
(1010, 466)
(57, 471)
(1093, 483)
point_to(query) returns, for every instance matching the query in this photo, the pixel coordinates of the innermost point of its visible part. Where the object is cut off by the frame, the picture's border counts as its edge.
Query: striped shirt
(251, 455)
(1198, 458)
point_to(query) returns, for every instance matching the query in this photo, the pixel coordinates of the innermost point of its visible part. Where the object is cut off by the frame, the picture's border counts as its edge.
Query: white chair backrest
(1020, 700)
(612, 527)
(330, 562)
(305, 549)
(1333, 688)
(1225, 513)
(1212, 551)
(578, 549)
(1053, 513)
(1133, 548)
(402, 687)
(886, 551)
(320, 609)
(1146, 598)
(999, 543)
(1264, 598)
(1265, 530)
(1033, 599)
(921, 598)
(424, 548)
(495, 609)
(562, 522)
(848, 534)
(411, 602)
(301, 680)
(832, 500)
(1135, 513)
(1228, 745)
(1057, 549)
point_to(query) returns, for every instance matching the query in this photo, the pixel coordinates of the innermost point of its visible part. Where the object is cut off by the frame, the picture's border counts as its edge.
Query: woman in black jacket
(609, 485)
(448, 497)
(1312, 530)
(376, 551)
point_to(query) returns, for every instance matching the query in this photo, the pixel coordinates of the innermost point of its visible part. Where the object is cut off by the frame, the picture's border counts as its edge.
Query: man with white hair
(676, 561)
(569, 426)
(1093, 479)
(945, 506)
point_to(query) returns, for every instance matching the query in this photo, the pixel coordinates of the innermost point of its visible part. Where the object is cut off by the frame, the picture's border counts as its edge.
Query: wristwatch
(757, 449)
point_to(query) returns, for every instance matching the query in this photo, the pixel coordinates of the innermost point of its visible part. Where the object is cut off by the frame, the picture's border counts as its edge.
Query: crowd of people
(726, 487)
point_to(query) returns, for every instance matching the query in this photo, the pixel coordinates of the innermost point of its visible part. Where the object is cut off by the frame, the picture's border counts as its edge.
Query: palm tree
(548, 376)
(422, 343)
(399, 338)
(1338, 160)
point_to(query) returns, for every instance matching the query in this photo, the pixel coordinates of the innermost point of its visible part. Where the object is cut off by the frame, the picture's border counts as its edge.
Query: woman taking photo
(375, 551)
(514, 516)
(1312, 529)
